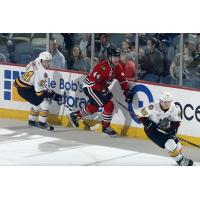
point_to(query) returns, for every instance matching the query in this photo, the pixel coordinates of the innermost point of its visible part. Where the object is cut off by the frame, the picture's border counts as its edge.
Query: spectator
(58, 60)
(76, 61)
(175, 65)
(85, 45)
(174, 48)
(163, 49)
(126, 47)
(128, 66)
(11, 50)
(68, 39)
(196, 56)
(102, 47)
(3, 58)
(151, 64)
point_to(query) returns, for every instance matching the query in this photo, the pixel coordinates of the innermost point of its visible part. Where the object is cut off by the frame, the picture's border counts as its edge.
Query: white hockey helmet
(166, 96)
(45, 56)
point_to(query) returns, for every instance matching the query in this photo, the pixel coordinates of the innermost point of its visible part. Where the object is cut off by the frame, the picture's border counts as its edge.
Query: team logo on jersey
(42, 83)
(103, 68)
(96, 75)
(45, 75)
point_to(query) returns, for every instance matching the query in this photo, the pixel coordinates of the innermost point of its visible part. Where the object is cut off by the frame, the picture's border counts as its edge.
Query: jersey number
(27, 76)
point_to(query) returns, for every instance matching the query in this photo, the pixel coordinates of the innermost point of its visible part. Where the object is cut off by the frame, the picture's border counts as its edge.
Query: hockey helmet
(114, 52)
(45, 56)
(166, 97)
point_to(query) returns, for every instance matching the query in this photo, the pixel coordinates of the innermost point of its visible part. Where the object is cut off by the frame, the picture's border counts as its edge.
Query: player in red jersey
(96, 89)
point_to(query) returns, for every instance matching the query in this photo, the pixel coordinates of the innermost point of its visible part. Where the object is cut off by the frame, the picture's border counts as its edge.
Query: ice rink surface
(21, 145)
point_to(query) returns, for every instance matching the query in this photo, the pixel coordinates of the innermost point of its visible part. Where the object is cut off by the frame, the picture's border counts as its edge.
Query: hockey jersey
(35, 76)
(103, 75)
(164, 119)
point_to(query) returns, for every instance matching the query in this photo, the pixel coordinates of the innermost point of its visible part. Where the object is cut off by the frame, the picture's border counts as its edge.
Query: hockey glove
(172, 131)
(54, 96)
(128, 96)
(108, 94)
(150, 125)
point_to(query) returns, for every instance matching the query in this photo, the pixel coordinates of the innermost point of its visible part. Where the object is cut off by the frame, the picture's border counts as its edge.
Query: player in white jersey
(32, 87)
(161, 121)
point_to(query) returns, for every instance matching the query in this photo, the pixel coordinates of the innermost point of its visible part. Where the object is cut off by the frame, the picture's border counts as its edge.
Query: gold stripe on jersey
(20, 83)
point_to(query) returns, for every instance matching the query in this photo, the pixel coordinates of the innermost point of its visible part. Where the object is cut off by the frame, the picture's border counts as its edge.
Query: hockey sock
(174, 149)
(87, 110)
(44, 111)
(34, 112)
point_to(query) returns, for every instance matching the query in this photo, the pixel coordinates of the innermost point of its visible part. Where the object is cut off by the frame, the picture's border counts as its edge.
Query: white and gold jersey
(158, 116)
(35, 75)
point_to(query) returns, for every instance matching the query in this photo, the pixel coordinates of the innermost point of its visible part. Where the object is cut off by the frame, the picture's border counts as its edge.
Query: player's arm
(143, 116)
(42, 91)
(175, 123)
(98, 73)
(120, 76)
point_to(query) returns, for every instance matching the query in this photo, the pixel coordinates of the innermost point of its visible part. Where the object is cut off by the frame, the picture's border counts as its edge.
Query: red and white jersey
(35, 75)
(103, 75)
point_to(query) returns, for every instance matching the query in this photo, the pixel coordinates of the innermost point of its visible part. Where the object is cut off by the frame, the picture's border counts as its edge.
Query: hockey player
(96, 89)
(161, 121)
(32, 87)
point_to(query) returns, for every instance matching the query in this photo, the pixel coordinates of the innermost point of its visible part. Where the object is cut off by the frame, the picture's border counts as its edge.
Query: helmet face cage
(166, 100)
(165, 104)
(114, 52)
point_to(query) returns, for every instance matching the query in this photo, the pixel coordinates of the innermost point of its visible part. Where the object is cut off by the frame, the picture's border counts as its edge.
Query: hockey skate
(185, 162)
(45, 126)
(109, 132)
(74, 119)
(32, 123)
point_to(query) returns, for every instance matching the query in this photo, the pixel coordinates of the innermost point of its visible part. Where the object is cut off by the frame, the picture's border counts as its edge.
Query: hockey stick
(191, 143)
(92, 128)
(181, 139)
(123, 106)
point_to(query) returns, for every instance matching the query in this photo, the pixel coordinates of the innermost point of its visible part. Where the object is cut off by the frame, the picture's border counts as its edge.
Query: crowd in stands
(158, 54)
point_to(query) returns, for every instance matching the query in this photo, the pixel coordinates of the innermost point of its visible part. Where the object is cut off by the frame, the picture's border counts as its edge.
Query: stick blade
(95, 127)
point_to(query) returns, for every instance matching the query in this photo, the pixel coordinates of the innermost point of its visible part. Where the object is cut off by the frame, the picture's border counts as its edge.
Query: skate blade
(71, 121)
(111, 136)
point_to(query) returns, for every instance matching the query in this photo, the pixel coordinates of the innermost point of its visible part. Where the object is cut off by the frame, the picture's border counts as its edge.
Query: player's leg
(44, 111)
(174, 149)
(157, 137)
(29, 95)
(33, 115)
(171, 143)
(96, 100)
(107, 117)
